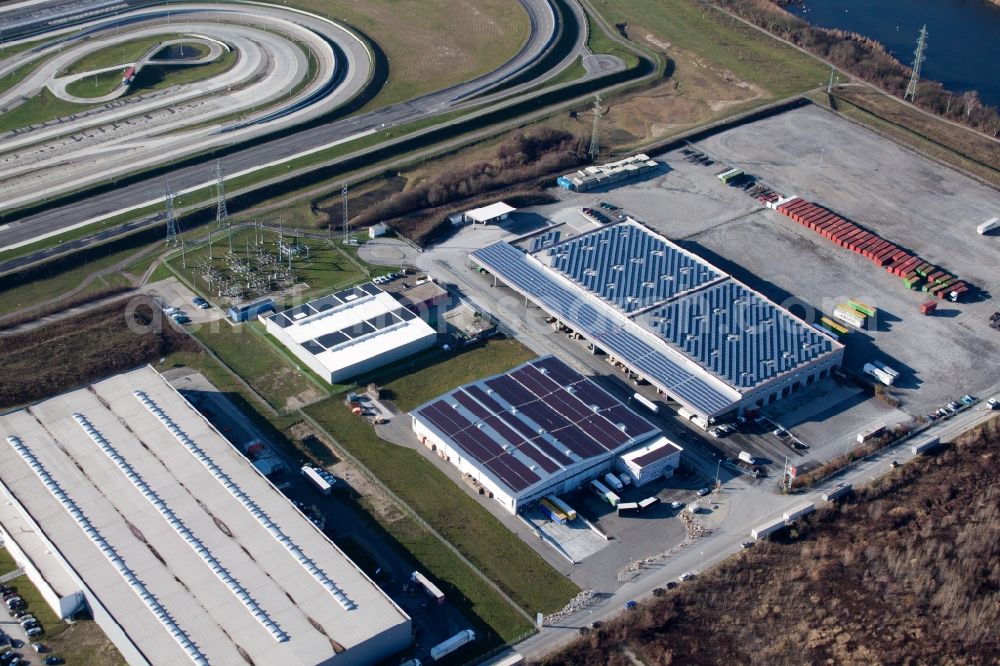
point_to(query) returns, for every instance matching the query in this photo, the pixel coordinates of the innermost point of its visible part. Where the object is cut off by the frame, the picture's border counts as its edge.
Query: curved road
(545, 27)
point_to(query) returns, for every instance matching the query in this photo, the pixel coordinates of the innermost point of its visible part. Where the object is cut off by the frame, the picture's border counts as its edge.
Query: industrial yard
(929, 209)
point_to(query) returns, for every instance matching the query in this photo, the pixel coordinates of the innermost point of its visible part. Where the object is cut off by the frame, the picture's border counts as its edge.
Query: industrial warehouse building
(540, 428)
(121, 499)
(351, 332)
(651, 462)
(699, 336)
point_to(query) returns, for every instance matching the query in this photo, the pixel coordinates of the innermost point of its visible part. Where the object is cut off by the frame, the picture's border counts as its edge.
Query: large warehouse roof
(194, 554)
(629, 268)
(688, 327)
(344, 329)
(533, 423)
(617, 335)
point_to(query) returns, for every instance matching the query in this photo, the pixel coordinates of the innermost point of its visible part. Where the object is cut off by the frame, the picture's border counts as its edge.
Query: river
(963, 41)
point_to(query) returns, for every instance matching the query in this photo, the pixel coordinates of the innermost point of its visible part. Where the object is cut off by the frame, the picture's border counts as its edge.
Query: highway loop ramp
(283, 67)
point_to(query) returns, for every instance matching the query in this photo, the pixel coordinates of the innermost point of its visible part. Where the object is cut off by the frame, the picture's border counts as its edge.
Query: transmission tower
(595, 141)
(221, 214)
(343, 194)
(168, 199)
(918, 59)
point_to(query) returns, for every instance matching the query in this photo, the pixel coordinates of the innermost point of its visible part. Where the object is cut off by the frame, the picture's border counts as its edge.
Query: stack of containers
(911, 268)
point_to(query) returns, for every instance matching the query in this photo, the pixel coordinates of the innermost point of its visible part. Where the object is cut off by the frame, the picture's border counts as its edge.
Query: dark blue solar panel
(405, 314)
(332, 339)
(299, 312)
(736, 334)
(529, 277)
(577, 441)
(370, 288)
(325, 303)
(466, 401)
(281, 320)
(629, 267)
(544, 384)
(592, 395)
(634, 424)
(312, 347)
(551, 450)
(359, 329)
(538, 457)
(558, 370)
(351, 294)
(481, 396)
(511, 391)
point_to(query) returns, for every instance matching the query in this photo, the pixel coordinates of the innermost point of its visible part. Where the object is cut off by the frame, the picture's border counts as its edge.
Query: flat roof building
(540, 428)
(492, 214)
(651, 461)
(123, 498)
(351, 332)
(697, 334)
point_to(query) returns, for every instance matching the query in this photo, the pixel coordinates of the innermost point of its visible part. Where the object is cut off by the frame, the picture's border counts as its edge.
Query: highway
(479, 91)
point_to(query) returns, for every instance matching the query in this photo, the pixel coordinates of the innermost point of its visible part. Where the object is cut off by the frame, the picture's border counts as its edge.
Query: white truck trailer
(802, 510)
(445, 648)
(988, 226)
(879, 374)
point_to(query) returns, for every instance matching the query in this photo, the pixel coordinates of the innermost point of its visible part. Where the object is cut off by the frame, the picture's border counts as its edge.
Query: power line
(221, 213)
(168, 199)
(918, 59)
(595, 141)
(343, 193)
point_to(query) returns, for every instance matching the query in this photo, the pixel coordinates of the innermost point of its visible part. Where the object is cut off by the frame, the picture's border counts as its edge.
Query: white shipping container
(988, 225)
(849, 316)
(837, 493)
(762, 531)
(925, 445)
(646, 402)
(317, 480)
(447, 647)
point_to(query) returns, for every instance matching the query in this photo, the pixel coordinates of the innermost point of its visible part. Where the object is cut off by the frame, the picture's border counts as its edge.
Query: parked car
(746, 544)
(170, 310)
(676, 505)
(34, 631)
(37, 647)
(53, 660)
(685, 576)
(967, 400)
(629, 605)
(703, 491)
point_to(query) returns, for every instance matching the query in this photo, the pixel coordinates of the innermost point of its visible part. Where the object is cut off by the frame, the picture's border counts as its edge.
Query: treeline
(78, 350)
(905, 573)
(517, 159)
(867, 59)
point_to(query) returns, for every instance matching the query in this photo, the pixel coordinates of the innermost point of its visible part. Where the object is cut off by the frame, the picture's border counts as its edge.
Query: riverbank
(868, 60)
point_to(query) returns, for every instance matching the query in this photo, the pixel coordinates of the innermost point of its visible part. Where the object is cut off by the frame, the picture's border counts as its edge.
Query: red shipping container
(859, 240)
(928, 307)
(817, 218)
(819, 224)
(877, 248)
(812, 215)
(790, 203)
(908, 266)
(870, 244)
(848, 238)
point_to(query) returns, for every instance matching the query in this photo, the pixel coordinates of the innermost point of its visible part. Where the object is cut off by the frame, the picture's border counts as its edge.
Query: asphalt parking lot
(905, 198)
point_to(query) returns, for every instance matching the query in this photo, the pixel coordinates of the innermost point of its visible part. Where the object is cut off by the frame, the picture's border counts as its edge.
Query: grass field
(152, 77)
(117, 54)
(39, 109)
(483, 539)
(7, 563)
(717, 39)
(264, 369)
(431, 44)
(447, 370)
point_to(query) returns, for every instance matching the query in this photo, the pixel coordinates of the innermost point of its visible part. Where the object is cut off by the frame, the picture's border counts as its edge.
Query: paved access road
(484, 90)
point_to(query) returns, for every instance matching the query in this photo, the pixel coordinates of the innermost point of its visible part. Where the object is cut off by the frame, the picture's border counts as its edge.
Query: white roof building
(496, 212)
(121, 497)
(351, 332)
(655, 460)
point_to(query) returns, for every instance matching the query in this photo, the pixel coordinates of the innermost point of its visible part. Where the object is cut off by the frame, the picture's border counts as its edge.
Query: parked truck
(554, 512)
(566, 508)
(988, 226)
(445, 648)
(879, 374)
(886, 369)
(799, 511)
(613, 481)
(747, 458)
(314, 477)
(430, 588)
(869, 434)
(646, 402)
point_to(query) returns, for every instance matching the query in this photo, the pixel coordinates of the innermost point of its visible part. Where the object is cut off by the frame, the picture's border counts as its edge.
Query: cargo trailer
(988, 225)
(767, 529)
(648, 502)
(925, 445)
(798, 512)
(613, 481)
(430, 588)
(445, 648)
(647, 403)
(562, 506)
(837, 493)
(553, 512)
(628, 508)
(314, 477)
(869, 434)
(878, 374)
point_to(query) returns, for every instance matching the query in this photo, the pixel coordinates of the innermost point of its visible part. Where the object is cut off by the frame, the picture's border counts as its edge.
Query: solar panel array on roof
(629, 267)
(735, 333)
(545, 240)
(535, 420)
(288, 317)
(618, 337)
